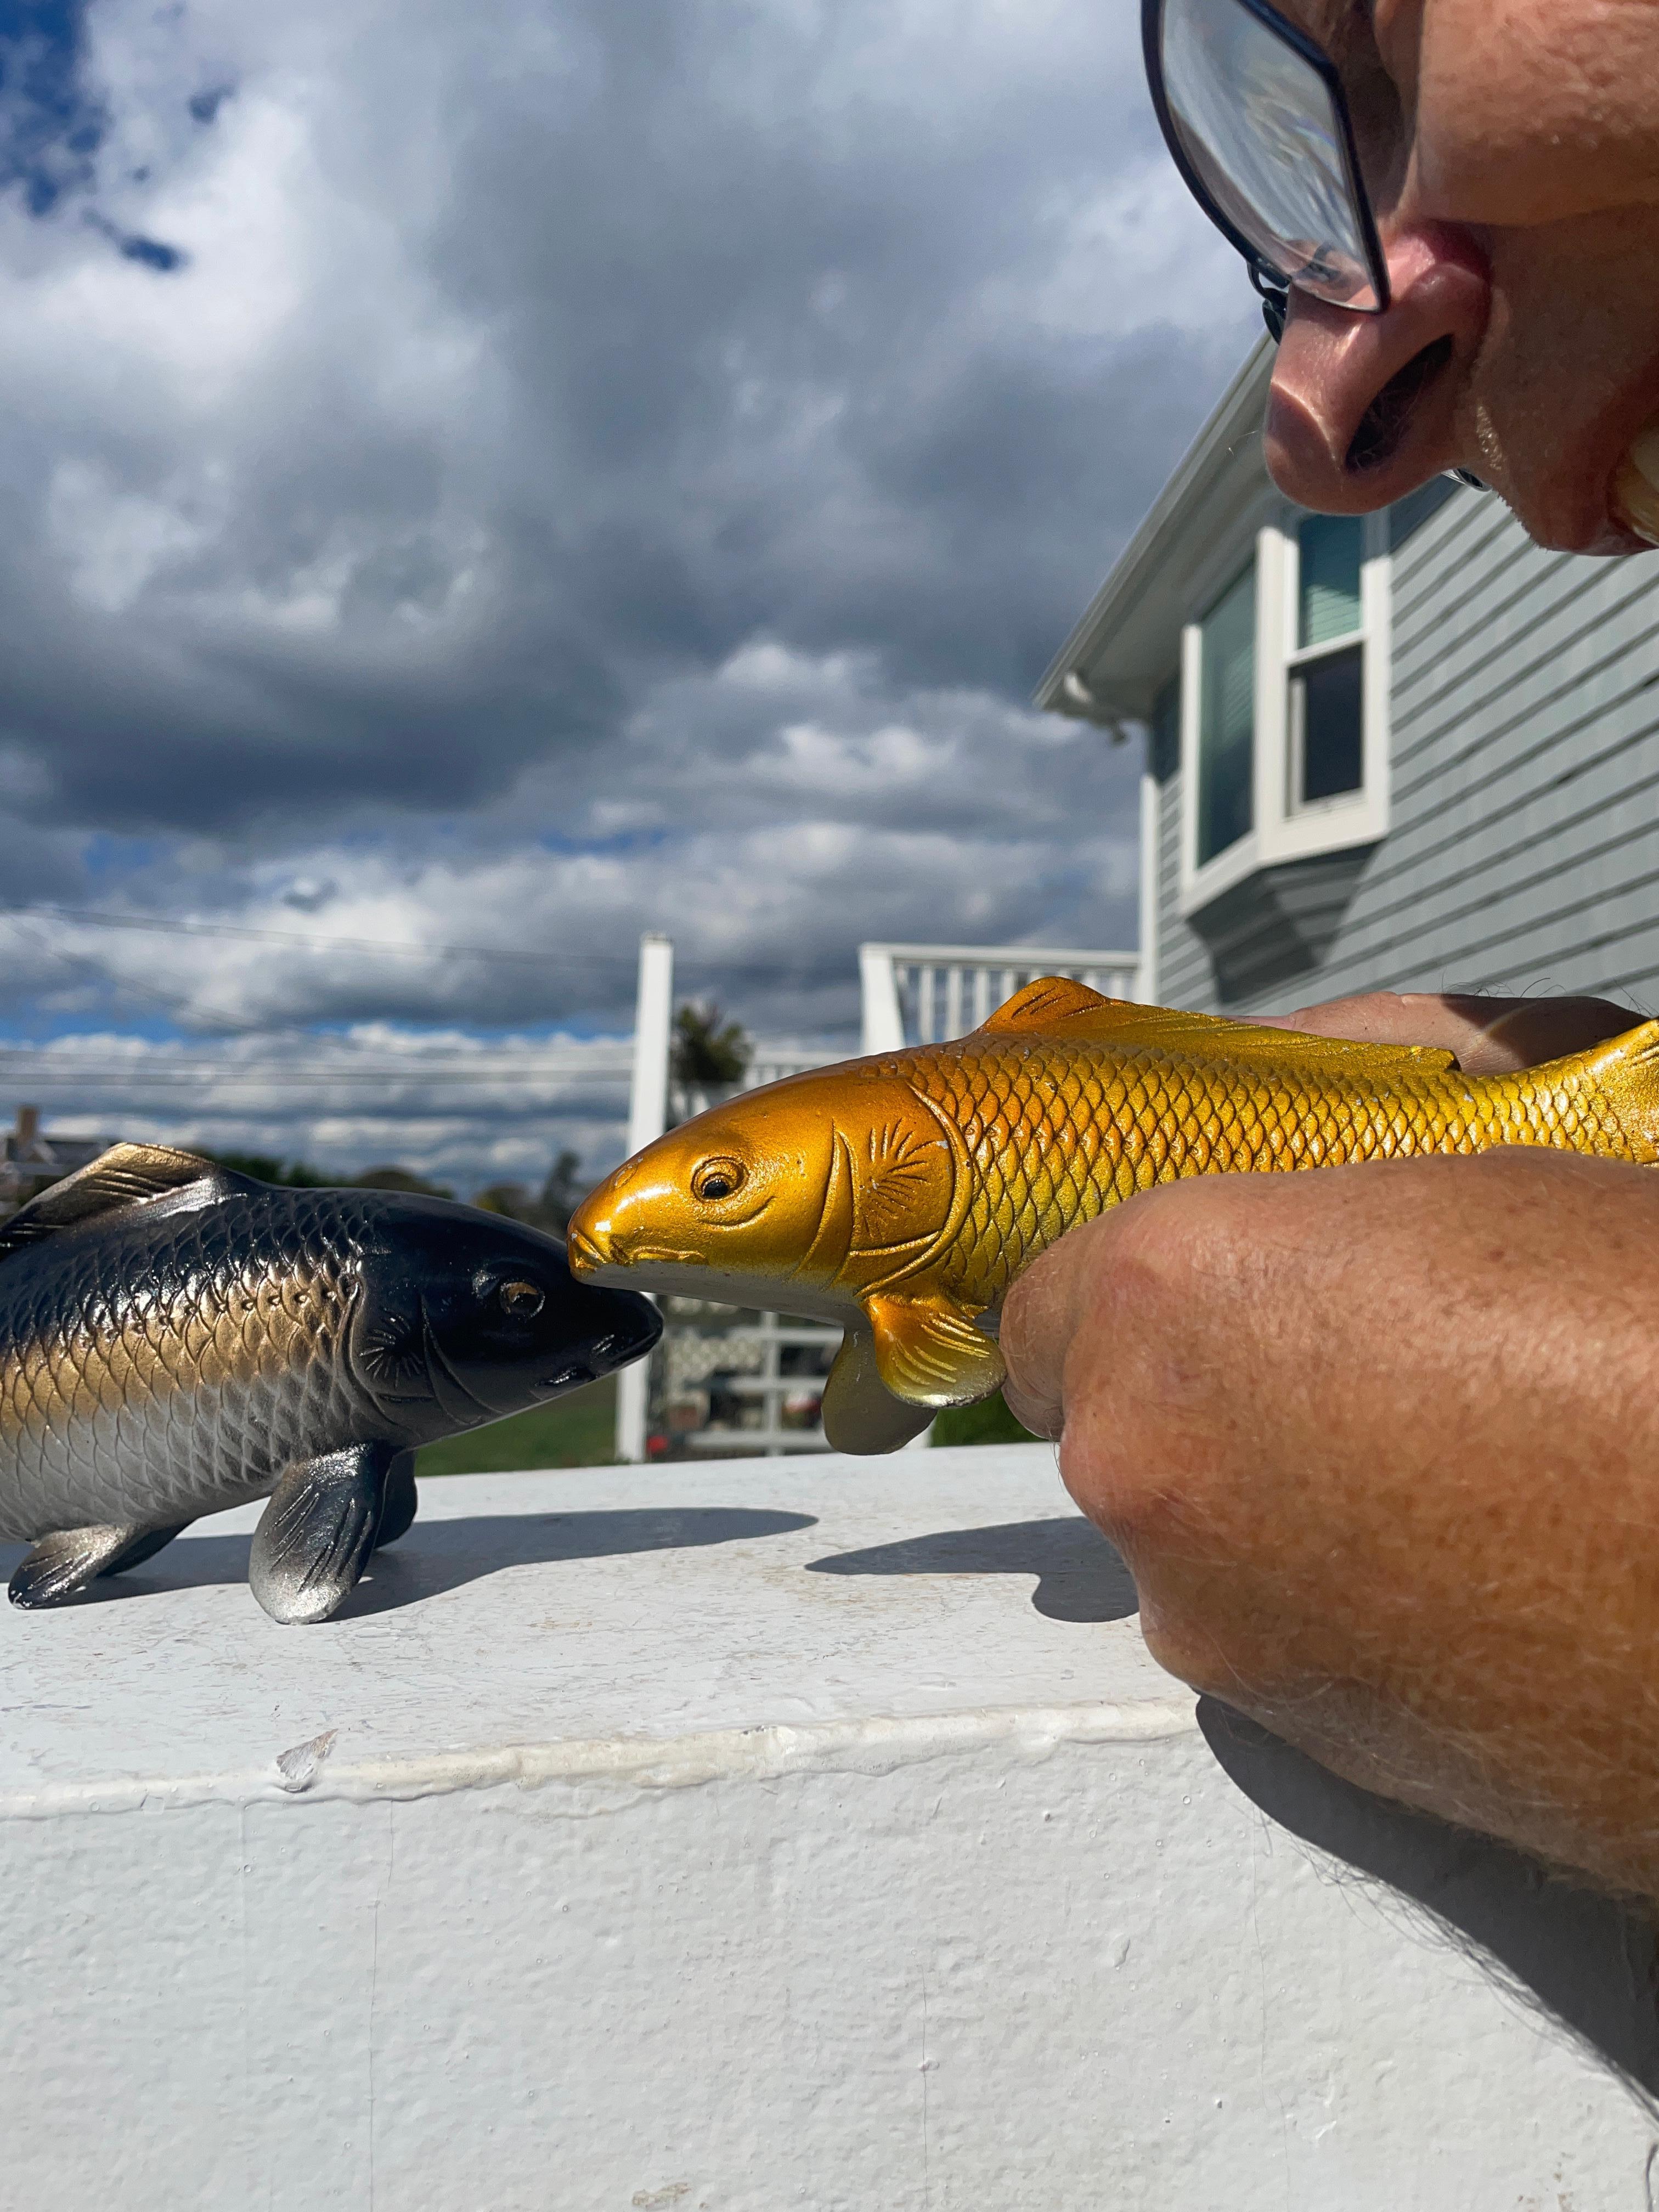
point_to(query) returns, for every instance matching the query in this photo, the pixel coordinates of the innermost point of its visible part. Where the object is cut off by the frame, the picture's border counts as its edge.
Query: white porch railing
(772, 1387)
(647, 1118)
(925, 993)
(910, 995)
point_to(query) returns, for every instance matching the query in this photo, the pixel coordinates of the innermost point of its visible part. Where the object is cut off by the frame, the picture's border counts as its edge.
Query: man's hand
(1381, 1444)
(1490, 1036)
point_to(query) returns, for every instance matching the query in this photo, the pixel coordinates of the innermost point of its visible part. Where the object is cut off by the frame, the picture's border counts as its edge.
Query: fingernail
(1636, 486)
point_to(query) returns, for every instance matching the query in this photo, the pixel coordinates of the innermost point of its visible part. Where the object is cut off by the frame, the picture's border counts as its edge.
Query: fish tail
(1626, 1070)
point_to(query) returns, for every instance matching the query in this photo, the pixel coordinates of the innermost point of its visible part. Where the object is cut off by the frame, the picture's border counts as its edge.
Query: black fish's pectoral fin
(314, 1537)
(860, 1414)
(70, 1560)
(142, 1548)
(398, 1503)
(931, 1354)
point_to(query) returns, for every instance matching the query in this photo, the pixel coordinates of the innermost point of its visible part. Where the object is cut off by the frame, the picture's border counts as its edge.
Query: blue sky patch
(52, 124)
(49, 125)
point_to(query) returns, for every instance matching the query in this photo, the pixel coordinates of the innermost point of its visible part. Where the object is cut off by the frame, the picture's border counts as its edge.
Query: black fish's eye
(715, 1179)
(522, 1300)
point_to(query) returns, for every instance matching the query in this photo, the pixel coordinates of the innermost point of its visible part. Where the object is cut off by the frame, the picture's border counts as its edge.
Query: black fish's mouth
(603, 1356)
(570, 1376)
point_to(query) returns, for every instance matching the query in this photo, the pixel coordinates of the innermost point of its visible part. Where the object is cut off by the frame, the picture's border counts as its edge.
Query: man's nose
(1364, 407)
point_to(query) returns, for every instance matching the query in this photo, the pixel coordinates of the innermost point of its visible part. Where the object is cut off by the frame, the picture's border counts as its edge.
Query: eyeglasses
(1257, 121)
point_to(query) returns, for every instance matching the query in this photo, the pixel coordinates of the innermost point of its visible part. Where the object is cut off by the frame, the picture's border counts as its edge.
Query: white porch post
(647, 1117)
(883, 1022)
(1150, 801)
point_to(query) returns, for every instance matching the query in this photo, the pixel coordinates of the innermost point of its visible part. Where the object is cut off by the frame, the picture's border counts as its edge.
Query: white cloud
(595, 470)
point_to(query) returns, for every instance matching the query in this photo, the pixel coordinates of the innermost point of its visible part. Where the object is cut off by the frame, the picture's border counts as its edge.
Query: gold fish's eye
(716, 1179)
(522, 1300)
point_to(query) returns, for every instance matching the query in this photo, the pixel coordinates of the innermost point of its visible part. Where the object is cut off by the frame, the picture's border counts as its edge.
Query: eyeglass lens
(1258, 123)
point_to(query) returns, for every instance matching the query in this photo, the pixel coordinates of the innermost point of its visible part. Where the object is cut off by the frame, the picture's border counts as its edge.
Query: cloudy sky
(480, 482)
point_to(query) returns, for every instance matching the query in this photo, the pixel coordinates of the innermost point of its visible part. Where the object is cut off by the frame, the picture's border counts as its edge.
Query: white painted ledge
(806, 1833)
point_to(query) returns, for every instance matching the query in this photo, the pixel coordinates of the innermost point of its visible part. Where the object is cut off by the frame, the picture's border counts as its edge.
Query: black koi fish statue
(175, 1339)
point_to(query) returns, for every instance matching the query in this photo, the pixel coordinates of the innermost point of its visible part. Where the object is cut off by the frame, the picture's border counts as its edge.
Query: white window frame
(1283, 831)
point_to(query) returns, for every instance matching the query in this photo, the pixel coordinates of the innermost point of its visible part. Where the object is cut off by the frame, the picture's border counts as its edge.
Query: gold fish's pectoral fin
(70, 1560)
(1055, 1007)
(125, 1175)
(314, 1538)
(932, 1355)
(860, 1414)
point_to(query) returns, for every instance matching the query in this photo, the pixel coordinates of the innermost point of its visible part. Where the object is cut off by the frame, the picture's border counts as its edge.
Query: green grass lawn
(988, 1423)
(580, 1431)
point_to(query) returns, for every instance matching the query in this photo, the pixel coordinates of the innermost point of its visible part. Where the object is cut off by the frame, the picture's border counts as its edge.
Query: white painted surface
(922, 994)
(737, 1836)
(647, 1117)
(882, 1018)
(1146, 980)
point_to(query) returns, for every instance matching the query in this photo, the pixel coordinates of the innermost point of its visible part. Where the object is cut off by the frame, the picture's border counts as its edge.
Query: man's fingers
(1490, 1036)
(1039, 1320)
(1529, 1031)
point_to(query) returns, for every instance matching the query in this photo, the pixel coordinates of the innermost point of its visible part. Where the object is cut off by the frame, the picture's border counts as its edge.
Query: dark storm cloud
(720, 276)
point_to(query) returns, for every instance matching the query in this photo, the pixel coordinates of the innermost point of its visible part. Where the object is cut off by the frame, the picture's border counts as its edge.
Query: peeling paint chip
(296, 1769)
(645, 2200)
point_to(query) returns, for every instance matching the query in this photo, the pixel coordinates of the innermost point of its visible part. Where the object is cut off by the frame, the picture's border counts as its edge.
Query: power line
(47, 1073)
(117, 1077)
(44, 1063)
(177, 925)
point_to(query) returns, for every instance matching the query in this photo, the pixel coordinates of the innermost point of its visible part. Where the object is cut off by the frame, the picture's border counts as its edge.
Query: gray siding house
(1410, 751)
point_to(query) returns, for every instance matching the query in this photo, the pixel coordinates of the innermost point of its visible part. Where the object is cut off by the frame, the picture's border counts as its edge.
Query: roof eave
(1230, 440)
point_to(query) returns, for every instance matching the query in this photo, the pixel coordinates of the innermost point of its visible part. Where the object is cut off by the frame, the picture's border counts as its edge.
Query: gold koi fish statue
(901, 1195)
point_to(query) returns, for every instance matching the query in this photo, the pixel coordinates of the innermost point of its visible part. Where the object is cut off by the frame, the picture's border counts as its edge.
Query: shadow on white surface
(1584, 1961)
(1079, 1576)
(442, 1554)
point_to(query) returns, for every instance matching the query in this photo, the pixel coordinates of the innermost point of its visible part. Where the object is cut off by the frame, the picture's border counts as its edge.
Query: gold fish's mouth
(584, 1252)
(590, 1251)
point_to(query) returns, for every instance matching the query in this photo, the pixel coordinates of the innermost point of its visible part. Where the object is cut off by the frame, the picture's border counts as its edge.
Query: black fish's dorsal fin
(1055, 1007)
(125, 1175)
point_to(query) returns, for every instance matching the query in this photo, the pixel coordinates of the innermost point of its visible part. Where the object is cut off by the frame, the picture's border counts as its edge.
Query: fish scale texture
(1058, 1131)
(151, 1374)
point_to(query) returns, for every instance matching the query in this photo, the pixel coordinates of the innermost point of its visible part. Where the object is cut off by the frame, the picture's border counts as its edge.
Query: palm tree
(705, 1054)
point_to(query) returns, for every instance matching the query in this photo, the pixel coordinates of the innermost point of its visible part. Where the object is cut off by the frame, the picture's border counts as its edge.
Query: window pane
(1327, 709)
(1332, 546)
(1165, 752)
(1226, 731)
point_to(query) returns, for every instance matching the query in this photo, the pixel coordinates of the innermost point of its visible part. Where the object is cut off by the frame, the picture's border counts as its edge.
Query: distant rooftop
(32, 1158)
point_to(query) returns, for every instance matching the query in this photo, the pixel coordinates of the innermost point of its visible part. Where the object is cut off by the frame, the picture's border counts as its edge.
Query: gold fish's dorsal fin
(125, 1175)
(860, 1414)
(929, 1353)
(1051, 999)
(1055, 1007)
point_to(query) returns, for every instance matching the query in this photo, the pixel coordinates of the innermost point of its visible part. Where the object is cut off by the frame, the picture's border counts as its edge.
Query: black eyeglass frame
(1274, 286)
